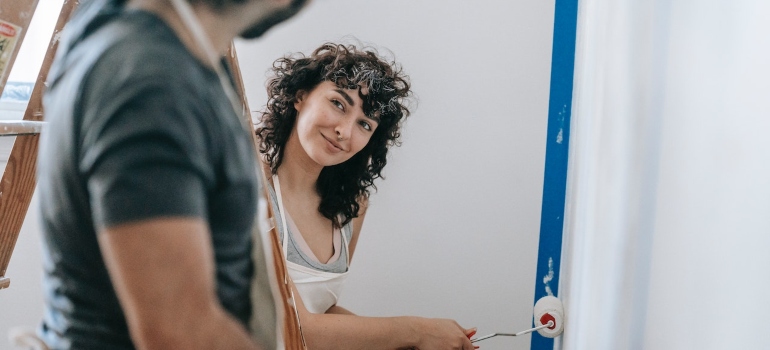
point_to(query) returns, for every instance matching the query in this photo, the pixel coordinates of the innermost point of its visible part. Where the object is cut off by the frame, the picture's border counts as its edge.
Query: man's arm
(163, 273)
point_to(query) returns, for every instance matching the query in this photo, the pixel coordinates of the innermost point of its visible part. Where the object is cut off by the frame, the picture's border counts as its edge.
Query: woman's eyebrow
(353, 103)
(346, 97)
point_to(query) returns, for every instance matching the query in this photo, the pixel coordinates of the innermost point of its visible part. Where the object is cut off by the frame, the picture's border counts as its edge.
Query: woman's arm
(340, 329)
(344, 331)
(339, 310)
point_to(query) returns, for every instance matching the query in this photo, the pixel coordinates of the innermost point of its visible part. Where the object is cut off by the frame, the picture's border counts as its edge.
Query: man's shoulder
(144, 47)
(121, 45)
(138, 56)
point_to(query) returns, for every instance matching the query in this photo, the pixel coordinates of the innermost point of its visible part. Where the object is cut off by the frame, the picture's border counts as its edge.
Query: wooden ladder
(18, 181)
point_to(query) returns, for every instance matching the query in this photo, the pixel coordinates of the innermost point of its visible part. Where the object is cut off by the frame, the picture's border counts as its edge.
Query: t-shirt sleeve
(144, 152)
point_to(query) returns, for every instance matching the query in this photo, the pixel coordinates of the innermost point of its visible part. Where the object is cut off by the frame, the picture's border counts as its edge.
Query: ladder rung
(20, 127)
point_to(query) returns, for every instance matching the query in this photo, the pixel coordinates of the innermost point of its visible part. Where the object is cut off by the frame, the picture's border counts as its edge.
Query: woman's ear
(300, 99)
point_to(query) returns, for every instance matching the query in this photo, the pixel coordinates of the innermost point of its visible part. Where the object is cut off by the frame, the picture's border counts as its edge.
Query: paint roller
(549, 320)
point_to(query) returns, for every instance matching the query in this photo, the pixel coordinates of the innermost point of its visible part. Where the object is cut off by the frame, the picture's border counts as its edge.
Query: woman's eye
(338, 104)
(366, 125)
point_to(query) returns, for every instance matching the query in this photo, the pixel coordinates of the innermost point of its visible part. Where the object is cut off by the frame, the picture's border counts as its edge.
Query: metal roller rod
(549, 324)
(20, 127)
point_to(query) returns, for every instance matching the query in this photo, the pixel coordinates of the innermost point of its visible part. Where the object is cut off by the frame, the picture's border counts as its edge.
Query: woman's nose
(343, 130)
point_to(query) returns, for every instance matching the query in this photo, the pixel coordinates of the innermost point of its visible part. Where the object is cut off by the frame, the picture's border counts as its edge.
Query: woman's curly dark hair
(387, 91)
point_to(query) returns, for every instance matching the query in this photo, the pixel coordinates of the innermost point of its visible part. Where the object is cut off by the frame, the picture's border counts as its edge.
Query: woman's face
(331, 125)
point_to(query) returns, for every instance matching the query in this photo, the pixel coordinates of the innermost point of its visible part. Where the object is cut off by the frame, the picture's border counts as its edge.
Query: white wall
(712, 229)
(21, 304)
(668, 219)
(453, 231)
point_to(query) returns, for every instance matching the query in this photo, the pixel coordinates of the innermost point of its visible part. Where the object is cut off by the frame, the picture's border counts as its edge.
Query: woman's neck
(298, 172)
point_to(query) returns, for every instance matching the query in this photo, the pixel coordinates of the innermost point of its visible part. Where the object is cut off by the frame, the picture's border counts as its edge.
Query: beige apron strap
(282, 211)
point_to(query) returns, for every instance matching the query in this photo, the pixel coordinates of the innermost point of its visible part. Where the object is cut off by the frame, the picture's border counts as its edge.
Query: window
(25, 69)
(24, 72)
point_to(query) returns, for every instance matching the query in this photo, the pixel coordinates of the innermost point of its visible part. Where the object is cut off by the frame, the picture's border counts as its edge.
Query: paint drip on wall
(549, 277)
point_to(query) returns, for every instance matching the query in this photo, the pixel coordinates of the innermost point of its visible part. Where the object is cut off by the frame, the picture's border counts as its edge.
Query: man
(147, 178)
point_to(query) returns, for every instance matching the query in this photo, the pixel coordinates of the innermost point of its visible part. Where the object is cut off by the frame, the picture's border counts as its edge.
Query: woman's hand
(442, 334)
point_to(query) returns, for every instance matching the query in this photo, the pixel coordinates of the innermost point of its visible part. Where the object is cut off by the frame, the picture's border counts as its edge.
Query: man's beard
(274, 18)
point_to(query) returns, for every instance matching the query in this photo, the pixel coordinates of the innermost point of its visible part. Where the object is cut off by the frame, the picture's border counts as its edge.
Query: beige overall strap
(18, 182)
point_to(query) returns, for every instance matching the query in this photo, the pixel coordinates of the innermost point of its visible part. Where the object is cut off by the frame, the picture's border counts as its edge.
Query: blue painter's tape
(556, 154)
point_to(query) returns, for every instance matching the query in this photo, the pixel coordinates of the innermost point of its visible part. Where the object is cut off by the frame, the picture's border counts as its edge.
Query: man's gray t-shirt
(138, 129)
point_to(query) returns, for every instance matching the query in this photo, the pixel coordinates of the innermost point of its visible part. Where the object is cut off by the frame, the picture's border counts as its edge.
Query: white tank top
(319, 290)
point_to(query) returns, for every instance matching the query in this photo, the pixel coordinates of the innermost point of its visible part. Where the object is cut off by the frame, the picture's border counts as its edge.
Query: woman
(324, 136)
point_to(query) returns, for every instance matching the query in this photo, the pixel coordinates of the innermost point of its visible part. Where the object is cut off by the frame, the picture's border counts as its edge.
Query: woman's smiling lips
(332, 145)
